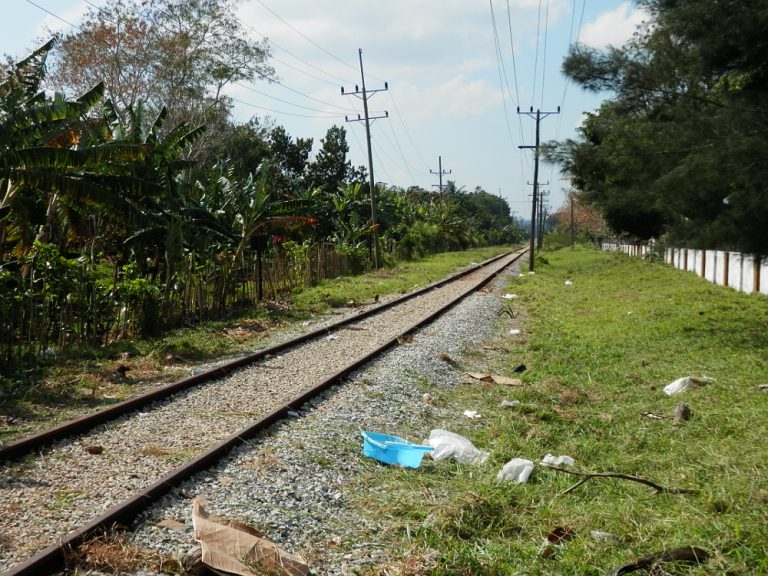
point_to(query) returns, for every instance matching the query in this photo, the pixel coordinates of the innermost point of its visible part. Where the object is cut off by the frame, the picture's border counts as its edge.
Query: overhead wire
(307, 38)
(405, 128)
(544, 55)
(317, 116)
(503, 78)
(54, 15)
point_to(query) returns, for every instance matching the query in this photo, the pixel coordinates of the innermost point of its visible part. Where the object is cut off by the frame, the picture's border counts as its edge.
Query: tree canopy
(679, 148)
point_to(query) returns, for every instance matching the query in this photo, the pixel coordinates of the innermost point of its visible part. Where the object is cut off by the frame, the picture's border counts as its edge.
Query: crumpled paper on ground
(449, 445)
(235, 548)
(685, 383)
(558, 460)
(517, 470)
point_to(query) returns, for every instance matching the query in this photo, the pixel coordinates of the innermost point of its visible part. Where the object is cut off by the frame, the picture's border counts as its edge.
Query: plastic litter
(428, 398)
(568, 283)
(515, 331)
(531, 273)
(558, 460)
(509, 296)
(390, 449)
(472, 414)
(509, 403)
(449, 445)
(604, 536)
(685, 383)
(517, 470)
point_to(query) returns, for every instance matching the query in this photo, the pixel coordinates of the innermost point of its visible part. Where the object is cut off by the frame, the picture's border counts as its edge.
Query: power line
(307, 38)
(54, 15)
(502, 71)
(255, 91)
(281, 111)
(544, 56)
(405, 127)
(536, 59)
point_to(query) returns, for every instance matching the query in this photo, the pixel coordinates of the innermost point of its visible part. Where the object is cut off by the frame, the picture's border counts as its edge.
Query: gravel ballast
(294, 482)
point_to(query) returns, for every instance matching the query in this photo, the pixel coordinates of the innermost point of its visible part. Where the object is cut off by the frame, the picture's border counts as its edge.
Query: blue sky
(448, 96)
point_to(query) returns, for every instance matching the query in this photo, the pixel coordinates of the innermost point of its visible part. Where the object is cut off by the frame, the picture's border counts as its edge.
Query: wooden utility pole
(364, 95)
(440, 173)
(539, 115)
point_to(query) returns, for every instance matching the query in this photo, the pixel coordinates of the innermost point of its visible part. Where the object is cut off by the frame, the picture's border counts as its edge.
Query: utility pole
(542, 214)
(539, 115)
(440, 172)
(364, 95)
(573, 230)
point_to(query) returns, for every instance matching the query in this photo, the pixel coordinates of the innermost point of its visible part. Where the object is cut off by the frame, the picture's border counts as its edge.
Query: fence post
(756, 274)
(685, 258)
(726, 268)
(703, 263)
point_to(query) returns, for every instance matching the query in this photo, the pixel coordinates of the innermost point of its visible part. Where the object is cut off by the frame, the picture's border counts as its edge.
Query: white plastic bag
(685, 383)
(449, 445)
(558, 460)
(517, 470)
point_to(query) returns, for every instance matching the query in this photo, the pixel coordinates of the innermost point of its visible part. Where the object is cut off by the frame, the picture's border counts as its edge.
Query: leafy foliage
(678, 150)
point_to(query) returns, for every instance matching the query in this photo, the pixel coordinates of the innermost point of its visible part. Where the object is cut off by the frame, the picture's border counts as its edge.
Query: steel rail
(53, 558)
(28, 444)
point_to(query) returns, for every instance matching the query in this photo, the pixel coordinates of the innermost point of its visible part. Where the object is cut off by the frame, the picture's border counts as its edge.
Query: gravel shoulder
(299, 481)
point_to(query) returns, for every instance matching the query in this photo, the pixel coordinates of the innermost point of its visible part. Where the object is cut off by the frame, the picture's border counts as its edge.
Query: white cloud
(613, 28)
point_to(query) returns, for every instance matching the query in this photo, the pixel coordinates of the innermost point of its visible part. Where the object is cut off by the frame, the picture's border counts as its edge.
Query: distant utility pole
(573, 230)
(542, 214)
(364, 95)
(440, 172)
(538, 116)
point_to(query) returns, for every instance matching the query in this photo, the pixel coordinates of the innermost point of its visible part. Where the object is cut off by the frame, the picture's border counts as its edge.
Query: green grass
(598, 354)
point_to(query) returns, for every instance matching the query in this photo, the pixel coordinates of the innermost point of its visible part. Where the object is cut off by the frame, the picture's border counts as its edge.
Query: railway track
(61, 485)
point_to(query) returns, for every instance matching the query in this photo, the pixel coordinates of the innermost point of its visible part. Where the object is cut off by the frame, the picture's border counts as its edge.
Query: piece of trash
(171, 523)
(472, 414)
(653, 415)
(331, 337)
(568, 283)
(531, 273)
(509, 296)
(515, 331)
(389, 449)
(690, 554)
(428, 398)
(558, 460)
(495, 378)
(681, 413)
(604, 536)
(520, 368)
(95, 450)
(763, 387)
(235, 548)
(293, 414)
(449, 445)
(630, 313)
(560, 534)
(509, 403)
(517, 470)
(685, 383)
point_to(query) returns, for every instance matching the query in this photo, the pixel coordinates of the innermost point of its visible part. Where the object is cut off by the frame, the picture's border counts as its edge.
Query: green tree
(678, 150)
(172, 54)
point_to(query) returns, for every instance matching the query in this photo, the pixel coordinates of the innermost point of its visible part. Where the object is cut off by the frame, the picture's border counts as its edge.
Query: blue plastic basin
(393, 449)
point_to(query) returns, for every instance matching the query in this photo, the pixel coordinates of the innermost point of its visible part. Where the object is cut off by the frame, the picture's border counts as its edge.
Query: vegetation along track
(131, 454)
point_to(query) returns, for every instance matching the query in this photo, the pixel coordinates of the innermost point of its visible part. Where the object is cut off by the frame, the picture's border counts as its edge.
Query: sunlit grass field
(599, 352)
